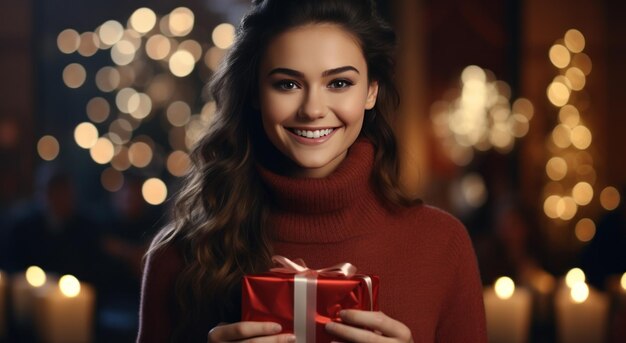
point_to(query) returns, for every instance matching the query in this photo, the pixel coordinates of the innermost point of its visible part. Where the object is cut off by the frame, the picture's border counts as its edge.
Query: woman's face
(313, 93)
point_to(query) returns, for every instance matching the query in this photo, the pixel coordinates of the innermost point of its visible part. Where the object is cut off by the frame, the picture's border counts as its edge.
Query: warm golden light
(178, 163)
(143, 20)
(579, 292)
(524, 107)
(85, 135)
(98, 110)
(583, 62)
(74, 75)
(585, 230)
(178, 113)
(48, 148)
(107, 79)
(111, 32)
(504, 287)
(123, 52)
(566, 208)
(550, 206)
(569, 116)
(574, 276)
(69, 286)
(556, 168)
(473, 190)
(121, 161)
(102, 152)
(154, 191)
(559, 56)
(582, 193)
(192, 47)
(574, 40)
(213, 57)
(623, 281)
(68, 41)
(223, 35)
(576, 78)
(112, 180)
(609, 198)
(181, 21)
(558, 94)
(89, 44)
(581, 137)
(140, 154)
(35, 276)
(158, 47)
(123, 100)
(140, 105)
(181, 63)
(561, 136)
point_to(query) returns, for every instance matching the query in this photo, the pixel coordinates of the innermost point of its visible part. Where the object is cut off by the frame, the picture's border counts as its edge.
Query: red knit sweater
(428, 273)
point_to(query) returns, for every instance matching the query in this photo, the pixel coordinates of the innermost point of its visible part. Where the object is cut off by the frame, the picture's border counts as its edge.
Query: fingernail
(330, 325)
(291, 338)
(276, 328)
(342, 313)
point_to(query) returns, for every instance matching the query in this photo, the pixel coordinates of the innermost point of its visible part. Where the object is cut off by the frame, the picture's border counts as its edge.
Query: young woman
(301, 162)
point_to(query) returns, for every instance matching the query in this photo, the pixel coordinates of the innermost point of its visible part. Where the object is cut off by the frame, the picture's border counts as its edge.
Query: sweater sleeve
(463, 314)
(158, 306)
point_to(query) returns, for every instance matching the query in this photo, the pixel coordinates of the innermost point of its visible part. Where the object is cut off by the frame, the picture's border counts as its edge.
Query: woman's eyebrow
(296, 73)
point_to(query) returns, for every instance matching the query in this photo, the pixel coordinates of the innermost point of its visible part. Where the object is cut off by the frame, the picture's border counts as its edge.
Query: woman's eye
(286, 85)
(340, 84)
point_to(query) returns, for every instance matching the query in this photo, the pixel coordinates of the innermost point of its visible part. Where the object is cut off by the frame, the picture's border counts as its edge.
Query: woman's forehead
(313, 47)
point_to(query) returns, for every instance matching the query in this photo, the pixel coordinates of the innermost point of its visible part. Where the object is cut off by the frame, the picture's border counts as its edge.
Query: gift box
(303, 300)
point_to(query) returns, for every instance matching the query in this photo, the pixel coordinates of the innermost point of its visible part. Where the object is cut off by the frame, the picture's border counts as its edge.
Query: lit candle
(23, 289)
(2, 305)
(508, 312)
(581, 312)
(65, 313)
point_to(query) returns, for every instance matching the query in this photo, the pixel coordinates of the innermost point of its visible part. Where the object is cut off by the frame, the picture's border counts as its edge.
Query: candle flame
(69, 285)
(579, 292)
(623, 281)
(574, 276)
(504, 287)
(35, 276)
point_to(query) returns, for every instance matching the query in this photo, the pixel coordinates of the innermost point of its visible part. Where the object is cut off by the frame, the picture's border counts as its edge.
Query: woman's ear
(372, 94)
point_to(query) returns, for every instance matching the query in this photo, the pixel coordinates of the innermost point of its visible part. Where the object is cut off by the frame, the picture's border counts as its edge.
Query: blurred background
(511, 117)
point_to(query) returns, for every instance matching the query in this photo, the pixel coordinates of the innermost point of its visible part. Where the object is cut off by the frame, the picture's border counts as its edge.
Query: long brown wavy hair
(220, 213)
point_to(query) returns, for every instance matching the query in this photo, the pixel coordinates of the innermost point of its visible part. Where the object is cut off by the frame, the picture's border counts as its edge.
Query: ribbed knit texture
(428, 273)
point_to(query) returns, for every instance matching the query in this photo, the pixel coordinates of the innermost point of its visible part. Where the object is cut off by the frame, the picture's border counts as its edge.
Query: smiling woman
(313, 94)
(301, 162)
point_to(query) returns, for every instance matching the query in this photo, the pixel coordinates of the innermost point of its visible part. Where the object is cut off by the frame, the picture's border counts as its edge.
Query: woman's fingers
(376, 321)
(245, 330)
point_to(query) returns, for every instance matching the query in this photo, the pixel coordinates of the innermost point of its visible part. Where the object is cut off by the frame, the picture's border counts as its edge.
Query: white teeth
(312, 134)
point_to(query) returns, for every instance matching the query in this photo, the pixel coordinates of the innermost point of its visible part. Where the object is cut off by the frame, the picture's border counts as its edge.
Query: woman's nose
(313, 106)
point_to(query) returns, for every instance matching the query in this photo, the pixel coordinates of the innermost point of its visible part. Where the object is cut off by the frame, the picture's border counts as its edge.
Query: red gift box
(302, 300)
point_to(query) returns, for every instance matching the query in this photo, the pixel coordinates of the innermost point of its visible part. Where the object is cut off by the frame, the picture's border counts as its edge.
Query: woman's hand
(262, 332)
(386, 329)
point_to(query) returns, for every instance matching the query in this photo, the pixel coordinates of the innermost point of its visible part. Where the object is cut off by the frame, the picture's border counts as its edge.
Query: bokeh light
(504, 287)
(98, 109)
(110, 32)
(574, 276)
(154, 191)
(581, 137)
(178, 113)
(102, 152)
(609, 198)
(86, 135)
(181, 63)
(48, 148)
(158, 47)
(69, 286)
(74, 75)
(579, 292)
(582, 193)
(89, 44)
(68, 41)
(223, 35)
(143, 20)
(112, 180)
(140, 154)
(574, 40)
(35, 276)
(559, 56)
(585, 230)
(558, 94)
(556, 168)
(181, 21)
(178, 163)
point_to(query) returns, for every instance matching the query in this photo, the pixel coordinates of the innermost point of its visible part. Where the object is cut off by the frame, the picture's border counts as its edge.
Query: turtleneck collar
(324, 209)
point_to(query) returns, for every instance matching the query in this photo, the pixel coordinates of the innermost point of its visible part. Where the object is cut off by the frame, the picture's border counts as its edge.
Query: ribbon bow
(305, 291)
